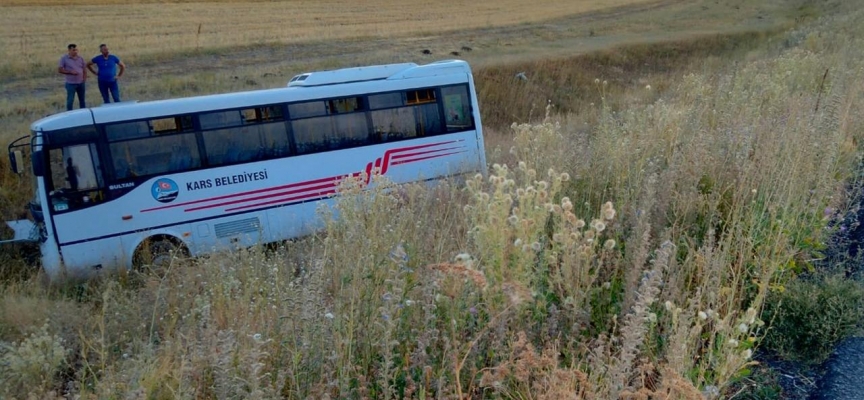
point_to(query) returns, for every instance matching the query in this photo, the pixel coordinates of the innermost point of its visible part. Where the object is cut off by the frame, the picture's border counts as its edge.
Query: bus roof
(346, 75)
(149, 109)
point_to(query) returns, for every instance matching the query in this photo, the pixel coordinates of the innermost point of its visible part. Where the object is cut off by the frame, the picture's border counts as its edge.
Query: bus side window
(457, 108)
(155, 155)
(181, 158)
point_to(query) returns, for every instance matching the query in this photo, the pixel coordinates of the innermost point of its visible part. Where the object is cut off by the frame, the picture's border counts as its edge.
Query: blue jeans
(105, 86)
(71, 89)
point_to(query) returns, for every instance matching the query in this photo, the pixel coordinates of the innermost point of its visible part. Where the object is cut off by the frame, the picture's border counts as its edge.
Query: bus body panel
(89, 258)
(200, 212)
(52, 262)
(296, 220)
(226, 207)
(77, 117)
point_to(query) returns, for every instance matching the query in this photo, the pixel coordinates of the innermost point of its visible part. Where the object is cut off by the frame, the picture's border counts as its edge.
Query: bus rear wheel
(157, 254)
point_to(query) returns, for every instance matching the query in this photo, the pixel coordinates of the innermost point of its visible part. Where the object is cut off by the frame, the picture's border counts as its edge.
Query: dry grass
(525, 283)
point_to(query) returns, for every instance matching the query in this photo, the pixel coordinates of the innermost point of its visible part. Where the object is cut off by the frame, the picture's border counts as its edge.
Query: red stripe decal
(307, 197)
(424, 158)
(228, 196)
(368, 171)
(417, 153)
(328, 185)
(318, 188)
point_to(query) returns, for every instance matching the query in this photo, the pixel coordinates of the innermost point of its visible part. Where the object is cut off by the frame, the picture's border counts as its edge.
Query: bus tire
(158, 253)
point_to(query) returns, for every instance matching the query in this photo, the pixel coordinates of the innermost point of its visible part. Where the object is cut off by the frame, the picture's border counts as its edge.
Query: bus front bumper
(25, 232)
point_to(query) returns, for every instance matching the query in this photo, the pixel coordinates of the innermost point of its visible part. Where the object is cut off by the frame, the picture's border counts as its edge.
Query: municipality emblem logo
(165, 190)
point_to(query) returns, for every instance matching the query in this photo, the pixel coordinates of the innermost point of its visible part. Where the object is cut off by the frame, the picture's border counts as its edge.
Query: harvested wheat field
(36, 31)
(665, 182)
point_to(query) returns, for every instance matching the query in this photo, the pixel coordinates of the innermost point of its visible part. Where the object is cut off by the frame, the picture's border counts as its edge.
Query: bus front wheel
(158, 253)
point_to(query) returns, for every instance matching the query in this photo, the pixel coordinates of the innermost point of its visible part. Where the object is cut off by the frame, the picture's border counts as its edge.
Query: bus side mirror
(36, 159)
(16, 161)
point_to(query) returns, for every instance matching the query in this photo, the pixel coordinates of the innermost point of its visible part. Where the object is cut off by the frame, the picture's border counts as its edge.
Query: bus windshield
(75, 177)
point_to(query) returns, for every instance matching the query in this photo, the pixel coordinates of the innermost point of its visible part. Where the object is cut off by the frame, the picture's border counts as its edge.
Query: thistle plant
(32, 363)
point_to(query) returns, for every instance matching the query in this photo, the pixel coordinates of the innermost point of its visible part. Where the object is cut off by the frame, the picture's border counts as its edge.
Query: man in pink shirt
(75, 69)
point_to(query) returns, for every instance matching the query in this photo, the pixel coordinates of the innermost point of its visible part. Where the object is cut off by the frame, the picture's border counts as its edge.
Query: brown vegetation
(622, 246)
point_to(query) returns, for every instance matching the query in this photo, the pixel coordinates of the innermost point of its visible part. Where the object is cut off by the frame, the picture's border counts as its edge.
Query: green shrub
(810, 317)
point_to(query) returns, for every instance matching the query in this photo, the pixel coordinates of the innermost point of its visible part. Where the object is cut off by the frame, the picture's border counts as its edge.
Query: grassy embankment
(719, 180)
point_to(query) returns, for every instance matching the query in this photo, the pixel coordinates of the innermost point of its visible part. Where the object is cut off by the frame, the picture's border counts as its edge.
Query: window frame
(286, 114)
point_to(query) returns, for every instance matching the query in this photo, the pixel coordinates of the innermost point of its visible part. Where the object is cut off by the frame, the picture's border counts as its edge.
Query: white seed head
(609, 245)
(462, 257)
(743, 328)
(609, 214)
(751, 315)
(702, 315)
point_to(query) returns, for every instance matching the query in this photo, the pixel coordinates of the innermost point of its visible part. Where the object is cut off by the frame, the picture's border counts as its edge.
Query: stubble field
(35, 33)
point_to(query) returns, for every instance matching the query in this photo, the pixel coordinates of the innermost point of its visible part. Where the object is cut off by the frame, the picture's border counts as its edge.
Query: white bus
(206, 173)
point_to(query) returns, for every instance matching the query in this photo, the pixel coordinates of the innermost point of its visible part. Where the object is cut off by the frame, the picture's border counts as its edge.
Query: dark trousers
(105, 87)
(71, 89)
